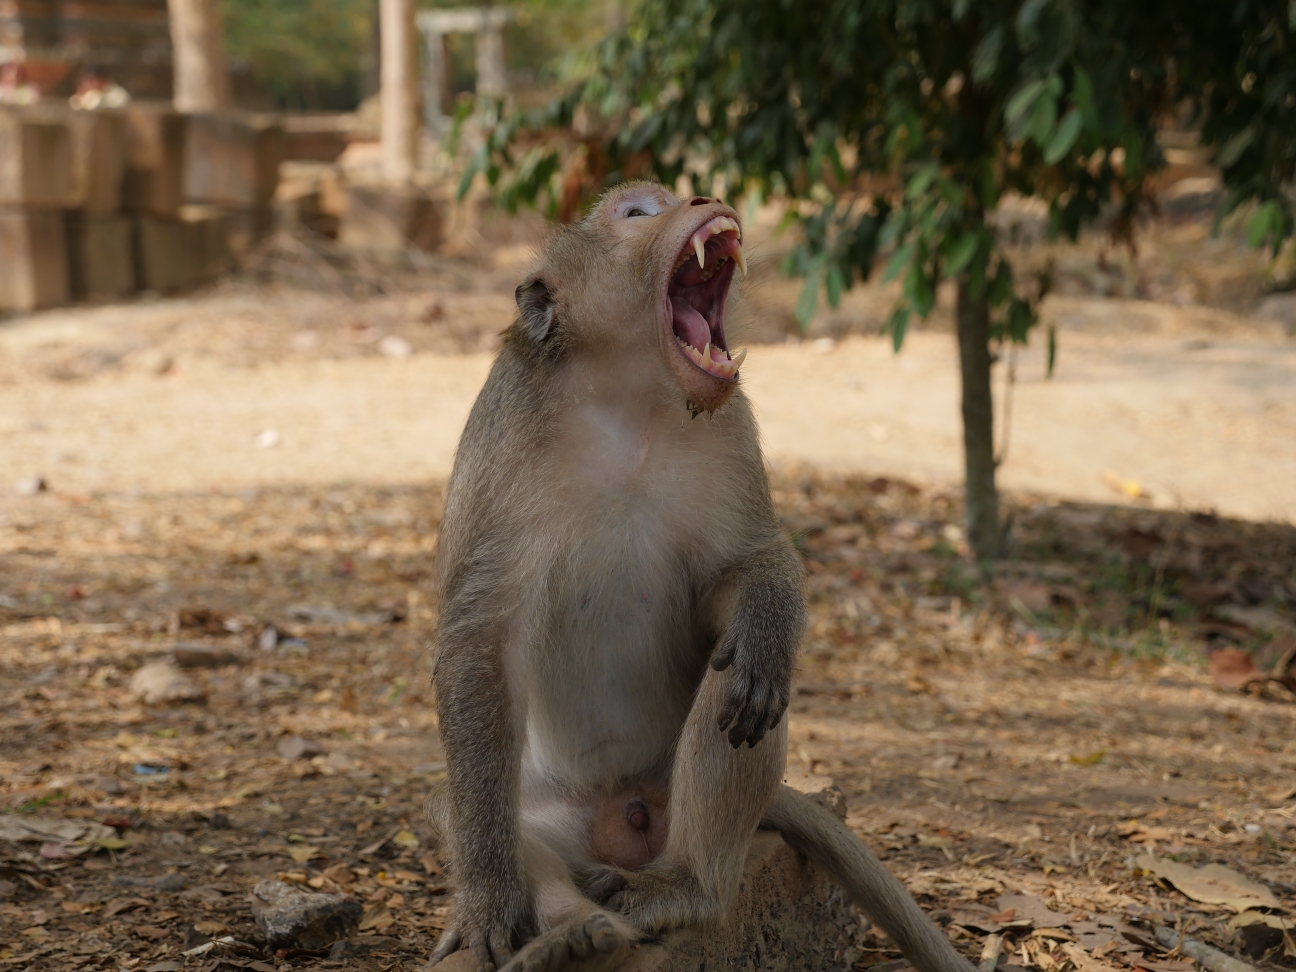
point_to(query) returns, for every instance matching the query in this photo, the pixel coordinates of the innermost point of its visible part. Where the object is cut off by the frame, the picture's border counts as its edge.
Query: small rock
(161, 682)
(163, 882)
(295, 747)
(292, 918)
(268, 639)
(189, 655)
(394, 346)
(266, 439)
(31, 486)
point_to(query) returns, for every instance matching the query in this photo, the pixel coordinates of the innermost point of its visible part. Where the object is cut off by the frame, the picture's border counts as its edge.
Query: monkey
(620, 615)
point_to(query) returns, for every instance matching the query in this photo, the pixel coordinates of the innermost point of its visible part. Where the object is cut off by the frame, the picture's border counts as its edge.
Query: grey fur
(620, 608)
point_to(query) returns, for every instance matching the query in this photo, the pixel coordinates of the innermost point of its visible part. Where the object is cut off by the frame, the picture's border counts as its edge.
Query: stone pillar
(436, 79)
(399, 92)
(201, 80)
(491, 81)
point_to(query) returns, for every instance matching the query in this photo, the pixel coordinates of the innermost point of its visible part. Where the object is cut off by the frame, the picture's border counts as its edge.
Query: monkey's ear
(536, 305)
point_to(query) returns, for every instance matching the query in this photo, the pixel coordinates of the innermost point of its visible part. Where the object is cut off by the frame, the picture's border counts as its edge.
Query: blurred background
(1022, 329)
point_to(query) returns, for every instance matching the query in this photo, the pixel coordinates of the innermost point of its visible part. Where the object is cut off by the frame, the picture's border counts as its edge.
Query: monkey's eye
(635, 212)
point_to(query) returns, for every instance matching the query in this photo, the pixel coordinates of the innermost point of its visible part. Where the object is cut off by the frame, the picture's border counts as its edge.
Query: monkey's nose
(701, 201)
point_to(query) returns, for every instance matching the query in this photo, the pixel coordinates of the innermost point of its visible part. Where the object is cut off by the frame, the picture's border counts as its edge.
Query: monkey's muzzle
(698, 288)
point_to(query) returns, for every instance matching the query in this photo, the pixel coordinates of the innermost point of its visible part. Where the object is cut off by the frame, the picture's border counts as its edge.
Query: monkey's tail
(819, 835)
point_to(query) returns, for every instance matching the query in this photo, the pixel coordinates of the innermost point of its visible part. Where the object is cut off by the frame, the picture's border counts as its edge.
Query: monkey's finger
(449, 943)
(604, 885)
(481, 954)
(501, 946)
(738, 695)
(724, 655)
(753, 714)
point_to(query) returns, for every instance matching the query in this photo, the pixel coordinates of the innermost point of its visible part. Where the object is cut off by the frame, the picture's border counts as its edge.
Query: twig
(1210, 958)
(990, 953)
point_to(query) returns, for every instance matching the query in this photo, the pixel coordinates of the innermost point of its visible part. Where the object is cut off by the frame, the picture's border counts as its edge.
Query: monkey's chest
(614, 662)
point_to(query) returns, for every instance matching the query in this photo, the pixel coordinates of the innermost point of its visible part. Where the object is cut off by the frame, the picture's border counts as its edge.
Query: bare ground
(1038, 735)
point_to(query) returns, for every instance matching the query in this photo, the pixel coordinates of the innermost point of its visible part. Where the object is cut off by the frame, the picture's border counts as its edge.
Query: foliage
(301, 51)
(959, 103)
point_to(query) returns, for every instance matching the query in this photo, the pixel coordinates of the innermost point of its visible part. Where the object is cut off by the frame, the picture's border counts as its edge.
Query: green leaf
(834, 284)
(899, 260)
(897, 324)
(1023, 100)
(918, 289)
(1064, 138)
(1052, 350)
(961, 254)
(1265, 220)
(809, 299)
(1235, 146)
(921, 181)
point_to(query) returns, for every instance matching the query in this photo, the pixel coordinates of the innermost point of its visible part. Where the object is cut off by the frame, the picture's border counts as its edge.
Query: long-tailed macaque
(620, 615)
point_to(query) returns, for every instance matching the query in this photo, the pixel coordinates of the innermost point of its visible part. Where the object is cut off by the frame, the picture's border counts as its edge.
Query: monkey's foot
(589, 943)
(653, 899)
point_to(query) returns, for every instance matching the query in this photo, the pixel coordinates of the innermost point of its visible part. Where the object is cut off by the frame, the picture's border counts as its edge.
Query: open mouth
(697, 290)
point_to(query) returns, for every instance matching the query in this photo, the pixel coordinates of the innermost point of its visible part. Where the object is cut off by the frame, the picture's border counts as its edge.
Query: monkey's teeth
(699, 245)
(706, 353)
(740, 259)
(738, 357)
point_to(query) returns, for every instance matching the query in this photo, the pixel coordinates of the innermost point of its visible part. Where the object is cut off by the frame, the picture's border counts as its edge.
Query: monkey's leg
(578, 935)
(718, 796)
(491, 915)
(815, 832)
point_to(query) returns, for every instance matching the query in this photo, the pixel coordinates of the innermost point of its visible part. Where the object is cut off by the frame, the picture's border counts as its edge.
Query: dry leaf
(301, 853)
(376, 917)
(1212, 884)
(1084, 961)
(1232, 668)
(406, 838)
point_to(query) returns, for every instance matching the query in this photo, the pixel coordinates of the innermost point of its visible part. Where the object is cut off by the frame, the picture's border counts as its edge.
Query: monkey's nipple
(636, 814)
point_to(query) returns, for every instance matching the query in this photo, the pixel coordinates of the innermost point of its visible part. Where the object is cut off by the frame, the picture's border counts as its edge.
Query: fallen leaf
(1232, 668)
(151, 931)
(1090, 759)
(1261, 918)
(301, 853)
(376, 917)
(1030, 907)
(117, 905)
(1084, 961)
(1212, 884)
(406, 838)
(430, 864)
(212, 928)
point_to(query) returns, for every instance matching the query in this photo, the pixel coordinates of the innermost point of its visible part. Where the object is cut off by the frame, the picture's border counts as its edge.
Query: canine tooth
(700, 247)
(706, 353)
(738, 357)
(741, 259)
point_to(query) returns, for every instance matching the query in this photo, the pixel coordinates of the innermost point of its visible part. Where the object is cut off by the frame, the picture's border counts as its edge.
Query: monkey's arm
(760, 640)
(815, 832)
(477, 723)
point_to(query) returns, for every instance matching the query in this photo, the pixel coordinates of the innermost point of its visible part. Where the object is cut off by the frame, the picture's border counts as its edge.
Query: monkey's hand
(761, 649)
(490, 930)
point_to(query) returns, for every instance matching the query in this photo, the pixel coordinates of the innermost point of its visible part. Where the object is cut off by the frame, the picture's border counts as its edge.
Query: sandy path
(1204, 426)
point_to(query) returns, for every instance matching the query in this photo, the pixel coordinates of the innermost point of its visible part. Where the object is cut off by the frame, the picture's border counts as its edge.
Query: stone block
(35, 159)
(232, 159)
(98, 161)
(384, 219)
(101, 259)
(155, 144)
(33, 260)
(177, 254)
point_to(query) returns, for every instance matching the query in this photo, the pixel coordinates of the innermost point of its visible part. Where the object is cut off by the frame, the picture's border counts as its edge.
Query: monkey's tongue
(689, 324)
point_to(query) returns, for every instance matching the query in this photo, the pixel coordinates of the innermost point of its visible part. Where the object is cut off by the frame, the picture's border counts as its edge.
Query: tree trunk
(398, 97)
(982, 498)
(198, 52)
